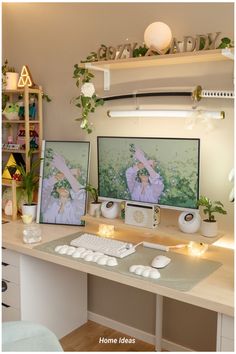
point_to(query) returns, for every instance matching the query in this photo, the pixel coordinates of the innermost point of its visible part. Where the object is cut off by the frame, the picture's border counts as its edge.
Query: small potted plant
(95, 205)
(209, 226)
(29, 182)
(9, 77)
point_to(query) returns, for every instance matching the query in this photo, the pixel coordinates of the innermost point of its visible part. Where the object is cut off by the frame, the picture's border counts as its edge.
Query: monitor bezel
(148, 137)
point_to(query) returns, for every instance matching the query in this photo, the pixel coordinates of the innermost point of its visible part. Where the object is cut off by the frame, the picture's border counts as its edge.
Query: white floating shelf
(158, 60)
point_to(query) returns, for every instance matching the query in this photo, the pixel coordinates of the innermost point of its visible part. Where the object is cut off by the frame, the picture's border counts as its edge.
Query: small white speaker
(110, 210)
(189, 221)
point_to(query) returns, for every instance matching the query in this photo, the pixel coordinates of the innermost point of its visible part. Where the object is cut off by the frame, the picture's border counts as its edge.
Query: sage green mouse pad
(182, 273)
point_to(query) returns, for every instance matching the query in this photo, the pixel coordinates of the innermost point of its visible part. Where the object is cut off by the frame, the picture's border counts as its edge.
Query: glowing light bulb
(197, 249)
(106, 230)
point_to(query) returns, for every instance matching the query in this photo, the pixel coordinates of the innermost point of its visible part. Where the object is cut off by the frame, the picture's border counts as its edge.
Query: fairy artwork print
(150, 170)
(64, 175)
(144, 183)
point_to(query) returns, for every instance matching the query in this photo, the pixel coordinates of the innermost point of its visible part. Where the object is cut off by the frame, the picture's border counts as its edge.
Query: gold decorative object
(25, 77)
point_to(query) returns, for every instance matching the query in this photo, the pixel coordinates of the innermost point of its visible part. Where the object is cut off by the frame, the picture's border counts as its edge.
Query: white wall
(51, 37)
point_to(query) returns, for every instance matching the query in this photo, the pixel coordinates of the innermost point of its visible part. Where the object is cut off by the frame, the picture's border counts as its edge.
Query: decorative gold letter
(111, 53)
(174, 47)
(102, 53)
(189, 39)
(213, 40)
(198, 41)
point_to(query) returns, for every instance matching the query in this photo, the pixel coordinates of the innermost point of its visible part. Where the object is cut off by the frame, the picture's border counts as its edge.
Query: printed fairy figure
(64, 196)
(144, 183)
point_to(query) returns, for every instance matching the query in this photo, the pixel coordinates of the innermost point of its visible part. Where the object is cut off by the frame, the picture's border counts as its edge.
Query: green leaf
(226, 40)
(219, 203)
(84, 100)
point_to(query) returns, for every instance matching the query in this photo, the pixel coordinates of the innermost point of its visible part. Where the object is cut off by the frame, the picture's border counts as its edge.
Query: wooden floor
(88, 338)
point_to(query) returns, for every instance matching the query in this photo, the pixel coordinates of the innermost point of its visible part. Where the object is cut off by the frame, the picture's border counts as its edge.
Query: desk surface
(216, 292)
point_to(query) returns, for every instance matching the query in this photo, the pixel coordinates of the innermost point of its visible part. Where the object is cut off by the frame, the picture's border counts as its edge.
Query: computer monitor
(163, 171)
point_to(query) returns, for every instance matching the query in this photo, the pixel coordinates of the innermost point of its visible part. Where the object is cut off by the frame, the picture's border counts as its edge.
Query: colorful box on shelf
(12, 146)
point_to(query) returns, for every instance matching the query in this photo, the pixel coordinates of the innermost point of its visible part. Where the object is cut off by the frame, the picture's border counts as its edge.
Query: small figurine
(10, 139)
(8, 208)
(11, 110)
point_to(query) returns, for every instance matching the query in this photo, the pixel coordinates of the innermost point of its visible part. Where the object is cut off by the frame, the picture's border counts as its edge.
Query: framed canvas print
(63, 176)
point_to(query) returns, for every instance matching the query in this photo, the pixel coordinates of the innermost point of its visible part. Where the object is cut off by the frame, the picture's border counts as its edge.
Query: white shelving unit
(12, 126)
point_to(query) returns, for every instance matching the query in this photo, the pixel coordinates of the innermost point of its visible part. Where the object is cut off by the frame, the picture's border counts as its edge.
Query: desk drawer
(227, 345)
(11, 296)
(10, 314)
(10, 273)
(227, 327)
(10, 257)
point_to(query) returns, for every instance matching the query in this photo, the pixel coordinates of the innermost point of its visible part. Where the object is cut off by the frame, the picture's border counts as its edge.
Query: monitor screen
(150, 170)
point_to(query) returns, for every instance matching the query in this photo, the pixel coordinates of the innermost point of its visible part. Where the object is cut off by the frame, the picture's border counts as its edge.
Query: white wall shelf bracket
(106, 73)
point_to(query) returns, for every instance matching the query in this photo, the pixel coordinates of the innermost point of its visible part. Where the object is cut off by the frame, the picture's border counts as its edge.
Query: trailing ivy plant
(87, 101)
(5, 97)
(140, 51)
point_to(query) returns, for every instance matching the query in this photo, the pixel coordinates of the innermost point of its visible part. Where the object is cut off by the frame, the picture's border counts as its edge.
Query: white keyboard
(107, 246)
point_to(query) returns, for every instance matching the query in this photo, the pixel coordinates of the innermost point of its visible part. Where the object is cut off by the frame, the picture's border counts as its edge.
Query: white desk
(215, 292)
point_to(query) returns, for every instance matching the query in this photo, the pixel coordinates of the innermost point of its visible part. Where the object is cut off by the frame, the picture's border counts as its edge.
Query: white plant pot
(30, 210)
(11, 81)
(209, 229)
(95, 209)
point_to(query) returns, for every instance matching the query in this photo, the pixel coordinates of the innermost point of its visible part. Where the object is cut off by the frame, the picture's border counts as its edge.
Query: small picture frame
(63, 177)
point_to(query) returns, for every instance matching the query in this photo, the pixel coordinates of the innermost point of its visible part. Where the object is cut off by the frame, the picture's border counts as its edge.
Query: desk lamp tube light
(166, 114)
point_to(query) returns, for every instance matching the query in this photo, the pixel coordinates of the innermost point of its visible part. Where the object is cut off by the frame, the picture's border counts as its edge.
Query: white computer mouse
(160, 261)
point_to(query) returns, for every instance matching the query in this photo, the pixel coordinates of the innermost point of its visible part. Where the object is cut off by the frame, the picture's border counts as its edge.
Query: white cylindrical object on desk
(156, 246)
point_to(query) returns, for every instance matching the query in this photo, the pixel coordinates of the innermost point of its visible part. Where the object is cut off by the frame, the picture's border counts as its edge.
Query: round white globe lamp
(158, 35)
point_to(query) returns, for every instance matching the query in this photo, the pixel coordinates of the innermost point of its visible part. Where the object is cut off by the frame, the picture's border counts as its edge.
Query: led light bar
(167, 114)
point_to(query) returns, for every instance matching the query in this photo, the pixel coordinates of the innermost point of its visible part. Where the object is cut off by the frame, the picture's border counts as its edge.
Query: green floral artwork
(175, 160)
(64, 177)
(71, 163)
